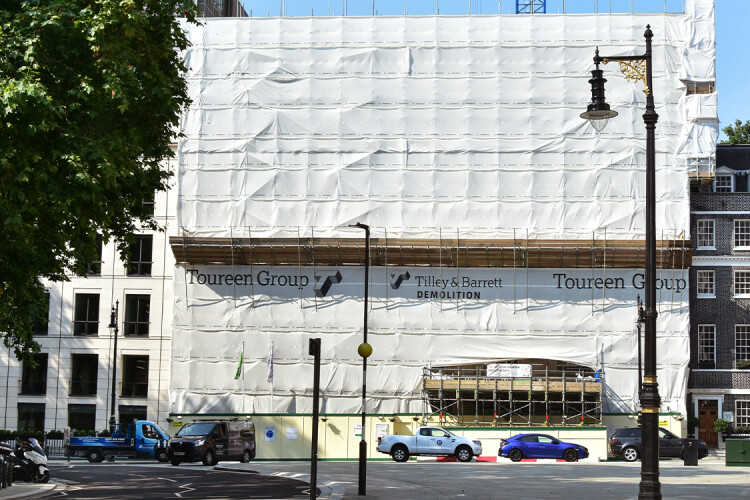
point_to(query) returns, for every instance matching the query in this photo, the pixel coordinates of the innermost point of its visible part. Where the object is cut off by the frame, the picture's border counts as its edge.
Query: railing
(134, 390)
(82, 388)
(53, 448)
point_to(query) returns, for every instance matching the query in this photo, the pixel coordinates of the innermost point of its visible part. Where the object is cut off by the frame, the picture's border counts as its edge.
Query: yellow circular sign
(364, 350)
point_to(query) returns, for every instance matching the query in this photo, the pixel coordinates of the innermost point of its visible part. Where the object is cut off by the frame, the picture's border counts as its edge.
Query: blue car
(540, 446)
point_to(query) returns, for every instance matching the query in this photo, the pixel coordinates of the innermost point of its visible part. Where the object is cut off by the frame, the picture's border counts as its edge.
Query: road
(543, 480)
(123, 480)
(411, 480)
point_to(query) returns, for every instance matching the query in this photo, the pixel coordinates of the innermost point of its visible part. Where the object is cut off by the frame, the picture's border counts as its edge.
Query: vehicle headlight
(200, 442)
(476, 441)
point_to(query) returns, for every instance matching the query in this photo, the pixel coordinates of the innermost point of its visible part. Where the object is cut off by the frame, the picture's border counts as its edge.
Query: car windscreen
(196, 429)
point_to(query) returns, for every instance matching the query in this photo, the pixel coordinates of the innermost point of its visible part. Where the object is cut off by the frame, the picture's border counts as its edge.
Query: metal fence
(53, 448)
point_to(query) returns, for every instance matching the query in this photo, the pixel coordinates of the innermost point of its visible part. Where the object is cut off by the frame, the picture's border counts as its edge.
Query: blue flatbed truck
(141, 439)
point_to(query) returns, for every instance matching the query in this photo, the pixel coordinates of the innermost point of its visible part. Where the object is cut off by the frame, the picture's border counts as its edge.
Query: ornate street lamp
(598, 113)
(113, 318)
(364, 350)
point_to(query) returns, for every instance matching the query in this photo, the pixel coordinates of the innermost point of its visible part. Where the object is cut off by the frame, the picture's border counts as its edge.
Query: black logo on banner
(398, 278)
(323, 282)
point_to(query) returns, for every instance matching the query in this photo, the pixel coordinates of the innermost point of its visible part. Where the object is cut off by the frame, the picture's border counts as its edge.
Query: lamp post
(640, 364)
(364, 350)
(639, 68)
(115, 331)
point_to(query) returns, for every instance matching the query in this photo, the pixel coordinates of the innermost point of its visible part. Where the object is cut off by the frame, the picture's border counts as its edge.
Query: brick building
(719, 385)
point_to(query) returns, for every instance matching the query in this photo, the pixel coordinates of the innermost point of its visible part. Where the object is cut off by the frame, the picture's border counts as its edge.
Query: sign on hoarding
(508, 370)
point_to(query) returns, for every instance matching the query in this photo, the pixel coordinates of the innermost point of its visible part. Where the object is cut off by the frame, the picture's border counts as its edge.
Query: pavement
(329, 490)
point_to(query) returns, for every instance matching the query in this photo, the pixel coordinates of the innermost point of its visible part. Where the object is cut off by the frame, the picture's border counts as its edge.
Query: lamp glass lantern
(598, 112)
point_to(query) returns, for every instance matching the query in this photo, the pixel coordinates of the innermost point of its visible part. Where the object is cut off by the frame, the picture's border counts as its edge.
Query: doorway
(708, 412)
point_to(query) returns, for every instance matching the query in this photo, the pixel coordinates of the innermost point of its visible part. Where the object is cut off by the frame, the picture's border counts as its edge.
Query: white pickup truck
(429, 441)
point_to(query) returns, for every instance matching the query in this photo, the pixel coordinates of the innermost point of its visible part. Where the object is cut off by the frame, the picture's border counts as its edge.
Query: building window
(139, 262)
(148, 205)
(742, 233)
(34, 378)
(129, 414)
(85, 373)
(706, 284)
(95, 268)
(742, 346)
(706, 346)
(134, 377)
(706, 233)
(136, 315)
(86, 321)
(82, 417)
(31, 417)
(42, 327)
(742, 283)
(741, 413)
(724, 183)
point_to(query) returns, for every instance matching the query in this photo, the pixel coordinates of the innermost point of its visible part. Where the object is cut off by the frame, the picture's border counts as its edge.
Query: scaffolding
(444, 252)
(549, 393)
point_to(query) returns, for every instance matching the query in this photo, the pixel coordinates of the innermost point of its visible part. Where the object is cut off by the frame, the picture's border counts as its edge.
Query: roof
(734, 156)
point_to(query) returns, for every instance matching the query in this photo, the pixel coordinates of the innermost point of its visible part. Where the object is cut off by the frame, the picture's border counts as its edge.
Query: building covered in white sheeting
(505, 229)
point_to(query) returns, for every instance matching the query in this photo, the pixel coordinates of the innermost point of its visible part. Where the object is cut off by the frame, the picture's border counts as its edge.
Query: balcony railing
(82, 388)
(134, 390)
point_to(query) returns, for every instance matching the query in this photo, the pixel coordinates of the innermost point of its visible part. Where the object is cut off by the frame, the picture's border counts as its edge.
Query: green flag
(239, 368)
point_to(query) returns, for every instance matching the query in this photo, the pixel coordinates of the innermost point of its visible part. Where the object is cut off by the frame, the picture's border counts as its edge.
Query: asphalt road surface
(121, 480)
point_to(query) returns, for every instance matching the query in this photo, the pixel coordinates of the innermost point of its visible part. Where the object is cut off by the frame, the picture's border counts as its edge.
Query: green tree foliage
(90, 95)
(739, 133)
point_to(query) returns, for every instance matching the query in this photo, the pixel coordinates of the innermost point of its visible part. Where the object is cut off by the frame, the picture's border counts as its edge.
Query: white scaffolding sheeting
(419, 126)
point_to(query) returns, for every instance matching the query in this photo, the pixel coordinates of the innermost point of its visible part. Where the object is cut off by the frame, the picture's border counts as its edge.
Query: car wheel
(161, 455)
(630, 454)
(175, 462)
(208, 458)
(245, 457)
(400, 453)
(515, 455)
(570, 455)
(464, 454)
(95, 456)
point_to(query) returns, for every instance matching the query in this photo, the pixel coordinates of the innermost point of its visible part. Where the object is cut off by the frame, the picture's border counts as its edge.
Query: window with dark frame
(95, 268)
(86, 319)
(134, 377)
(82, 417)
(34, 378)
(42, 327)
(129, 414)
(148, 205)
(139, 262)
(84, 374)
(137, 310)
(31, 416)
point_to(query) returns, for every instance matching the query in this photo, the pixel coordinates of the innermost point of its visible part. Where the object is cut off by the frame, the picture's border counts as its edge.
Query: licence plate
(178, 452)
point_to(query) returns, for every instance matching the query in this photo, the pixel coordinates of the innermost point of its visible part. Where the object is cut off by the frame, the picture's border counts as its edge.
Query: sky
(732, 19)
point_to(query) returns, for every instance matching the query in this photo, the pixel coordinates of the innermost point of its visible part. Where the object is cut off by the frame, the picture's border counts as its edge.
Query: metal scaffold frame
(466, 396)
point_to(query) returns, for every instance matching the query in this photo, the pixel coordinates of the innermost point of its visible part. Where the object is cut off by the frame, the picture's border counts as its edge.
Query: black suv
(626, 443)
